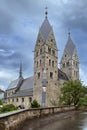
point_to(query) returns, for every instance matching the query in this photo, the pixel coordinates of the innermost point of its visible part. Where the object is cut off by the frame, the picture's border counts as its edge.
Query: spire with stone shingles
(70, 47)
(20, 71)
(70, 62)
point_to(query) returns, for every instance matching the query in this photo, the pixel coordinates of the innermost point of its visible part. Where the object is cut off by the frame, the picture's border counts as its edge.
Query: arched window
(49, 50)
(52, 63)
(49, 62)
(37, 64)
(40, 62)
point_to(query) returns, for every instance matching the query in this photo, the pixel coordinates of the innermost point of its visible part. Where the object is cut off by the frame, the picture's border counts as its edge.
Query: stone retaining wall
(15, 120)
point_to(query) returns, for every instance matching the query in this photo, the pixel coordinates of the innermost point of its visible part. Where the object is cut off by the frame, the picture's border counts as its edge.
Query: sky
(20, 21)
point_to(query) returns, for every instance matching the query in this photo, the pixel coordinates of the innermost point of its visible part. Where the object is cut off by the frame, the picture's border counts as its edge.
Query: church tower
(45, 65)
(70, 62)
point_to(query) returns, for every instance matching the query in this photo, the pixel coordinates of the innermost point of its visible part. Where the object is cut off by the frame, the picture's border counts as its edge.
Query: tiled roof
(13, 84)
(23, 93)
(62, 75)
(45, 29)
(27, 83)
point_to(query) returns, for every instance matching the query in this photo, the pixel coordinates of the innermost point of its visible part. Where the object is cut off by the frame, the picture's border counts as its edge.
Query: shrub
(7, 108)
(35, 104)
(1, 103)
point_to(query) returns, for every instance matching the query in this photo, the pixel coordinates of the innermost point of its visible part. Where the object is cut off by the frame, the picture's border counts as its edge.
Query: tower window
(37, 63)
(39, 75)
(40, 62)
(37, 53)
(52, 63)
(51, 75)
(67, 63)
(49, 50)
(53, 52)
(49, 62)
(63, 64)
(40, 51)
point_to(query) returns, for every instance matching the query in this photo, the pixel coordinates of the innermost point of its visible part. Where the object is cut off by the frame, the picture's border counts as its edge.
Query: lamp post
(44, 84)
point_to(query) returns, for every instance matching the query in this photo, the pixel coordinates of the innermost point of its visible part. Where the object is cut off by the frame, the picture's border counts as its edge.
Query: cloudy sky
(20, 21)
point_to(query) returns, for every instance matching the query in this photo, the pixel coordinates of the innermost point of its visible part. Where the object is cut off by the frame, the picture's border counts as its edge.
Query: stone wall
(15, 120)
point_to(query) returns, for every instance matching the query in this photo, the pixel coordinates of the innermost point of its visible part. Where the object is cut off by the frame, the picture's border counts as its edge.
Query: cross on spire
(46, 13)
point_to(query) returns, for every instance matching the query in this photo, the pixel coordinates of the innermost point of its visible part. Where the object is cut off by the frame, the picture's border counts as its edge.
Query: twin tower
(48, 78)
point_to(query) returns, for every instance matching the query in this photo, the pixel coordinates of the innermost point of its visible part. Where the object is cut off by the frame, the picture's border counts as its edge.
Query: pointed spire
(46, 13)
(20, 71)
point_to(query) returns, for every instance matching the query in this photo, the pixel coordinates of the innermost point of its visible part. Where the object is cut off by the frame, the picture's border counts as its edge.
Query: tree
(35, 104)
(1, 103)
(72, 92)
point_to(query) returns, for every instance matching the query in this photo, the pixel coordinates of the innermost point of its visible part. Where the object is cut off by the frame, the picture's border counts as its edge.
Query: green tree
(35, 104)
(1, 103)
(72, 92)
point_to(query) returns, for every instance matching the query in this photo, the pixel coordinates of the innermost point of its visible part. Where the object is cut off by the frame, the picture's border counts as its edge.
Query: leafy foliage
(72, 92)
(35, 104)
(8, 108)
(1, 103)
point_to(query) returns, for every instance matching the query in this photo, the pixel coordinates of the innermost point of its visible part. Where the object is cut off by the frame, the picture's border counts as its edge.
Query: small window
(40, 62)
(39, 75)
(17, 100)
(22, 99)
(52, 63)
(37, 53)
(40, 51)
(49, 50)
(12, 99)
(53, 52)
(37, 64)
(63, 64)
(67, 63)
(30, 99)
(49, 62)
(51, 75)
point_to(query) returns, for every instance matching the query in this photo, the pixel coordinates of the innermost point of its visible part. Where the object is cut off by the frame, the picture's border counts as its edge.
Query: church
(45, 84)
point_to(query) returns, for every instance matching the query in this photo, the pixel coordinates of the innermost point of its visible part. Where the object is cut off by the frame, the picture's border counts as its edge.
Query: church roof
(27, 83)
(22, 93)
(13, 84)
(62, 75)
(45, 29)
(70, 46)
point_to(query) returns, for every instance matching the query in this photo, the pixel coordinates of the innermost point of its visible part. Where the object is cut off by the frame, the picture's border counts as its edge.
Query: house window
(52, 63)
(30, 99)
(22, 99)
(12, 99)
(51, 75)
(49, 62)
(39, 75)
(17, 100)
